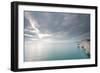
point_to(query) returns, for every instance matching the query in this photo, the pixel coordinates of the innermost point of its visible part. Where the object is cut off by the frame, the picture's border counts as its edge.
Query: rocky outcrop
(85, 45)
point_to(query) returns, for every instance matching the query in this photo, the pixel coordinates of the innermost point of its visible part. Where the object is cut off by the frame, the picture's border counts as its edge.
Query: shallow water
(40, 50)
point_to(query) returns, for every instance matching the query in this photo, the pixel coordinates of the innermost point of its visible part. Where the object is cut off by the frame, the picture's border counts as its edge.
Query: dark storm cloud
(61, 25)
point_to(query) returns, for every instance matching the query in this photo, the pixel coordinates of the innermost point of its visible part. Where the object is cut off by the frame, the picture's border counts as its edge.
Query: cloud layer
(63, 26)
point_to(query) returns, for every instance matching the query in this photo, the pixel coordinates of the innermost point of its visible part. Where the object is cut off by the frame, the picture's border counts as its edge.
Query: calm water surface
(40, 50)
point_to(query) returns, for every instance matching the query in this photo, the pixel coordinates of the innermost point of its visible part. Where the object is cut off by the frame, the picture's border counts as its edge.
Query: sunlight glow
(36, 30)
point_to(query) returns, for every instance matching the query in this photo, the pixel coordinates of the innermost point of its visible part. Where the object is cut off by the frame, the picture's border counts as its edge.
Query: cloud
(61, 25)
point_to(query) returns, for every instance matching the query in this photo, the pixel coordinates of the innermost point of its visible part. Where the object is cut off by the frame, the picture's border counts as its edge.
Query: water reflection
(43, 50)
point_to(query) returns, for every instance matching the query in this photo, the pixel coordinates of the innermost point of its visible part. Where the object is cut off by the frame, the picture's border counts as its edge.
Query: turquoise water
(77, 53)
(65, 52)
(46, 51)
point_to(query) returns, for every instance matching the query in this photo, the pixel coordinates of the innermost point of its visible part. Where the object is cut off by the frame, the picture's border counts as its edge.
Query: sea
(46, 50)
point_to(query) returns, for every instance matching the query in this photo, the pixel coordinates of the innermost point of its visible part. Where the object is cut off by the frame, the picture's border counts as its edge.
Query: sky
(61, 26)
